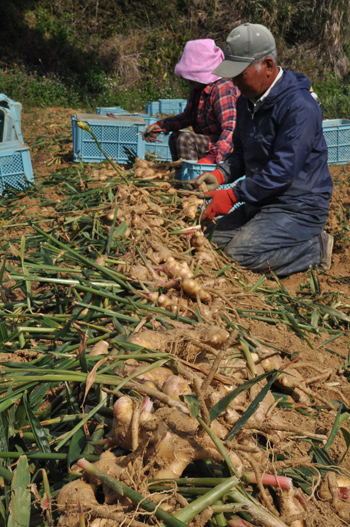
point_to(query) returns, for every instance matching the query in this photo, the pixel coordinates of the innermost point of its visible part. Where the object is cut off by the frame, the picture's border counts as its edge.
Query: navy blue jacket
(280, 148)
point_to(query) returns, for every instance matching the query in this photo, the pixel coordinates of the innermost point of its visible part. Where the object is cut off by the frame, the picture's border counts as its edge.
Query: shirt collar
(258, 102)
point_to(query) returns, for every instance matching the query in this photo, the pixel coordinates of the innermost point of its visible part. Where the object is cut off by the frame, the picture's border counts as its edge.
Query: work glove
(221, 203)
(152, 132)
(212, 179)
(209, 159)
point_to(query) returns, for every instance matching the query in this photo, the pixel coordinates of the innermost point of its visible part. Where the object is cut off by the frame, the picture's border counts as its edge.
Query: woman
(210, 110)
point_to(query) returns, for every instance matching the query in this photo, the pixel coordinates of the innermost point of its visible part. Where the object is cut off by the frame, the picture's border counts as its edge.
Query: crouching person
(279, 146)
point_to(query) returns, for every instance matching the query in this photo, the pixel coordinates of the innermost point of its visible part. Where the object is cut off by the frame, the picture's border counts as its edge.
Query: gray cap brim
(230, 68)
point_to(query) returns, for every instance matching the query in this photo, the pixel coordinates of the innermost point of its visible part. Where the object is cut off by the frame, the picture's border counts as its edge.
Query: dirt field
(321, 357)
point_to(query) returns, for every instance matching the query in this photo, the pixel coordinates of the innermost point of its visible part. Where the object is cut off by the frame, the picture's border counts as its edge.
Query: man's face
(252, 82)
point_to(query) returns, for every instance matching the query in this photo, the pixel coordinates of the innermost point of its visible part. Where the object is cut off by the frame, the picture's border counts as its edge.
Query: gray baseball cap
(245, 44)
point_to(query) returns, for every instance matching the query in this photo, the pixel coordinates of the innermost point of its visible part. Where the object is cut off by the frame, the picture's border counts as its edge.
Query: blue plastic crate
(152, 108)
(15, 165)
(116, 110)
(149, 119)
(172, 106)
(16, 110)
(161, 150)
(337, 135)
(114, 136)
(192, 169)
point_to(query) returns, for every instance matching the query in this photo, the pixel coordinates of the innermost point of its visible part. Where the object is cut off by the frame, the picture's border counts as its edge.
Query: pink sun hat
(199, 59)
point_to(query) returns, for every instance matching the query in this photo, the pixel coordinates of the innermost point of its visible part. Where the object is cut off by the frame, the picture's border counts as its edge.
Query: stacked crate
(118, 133)
(15, 162)
(115, 135)
(337, 135)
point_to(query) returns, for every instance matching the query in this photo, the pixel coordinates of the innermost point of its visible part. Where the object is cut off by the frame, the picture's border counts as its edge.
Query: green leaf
(76, 446)
(3, 515)
(6, 247)
(193, 402)
(4, 444)
(46, 256)
(322, 457)
(315, 283)
(20, 495)
(340, 418)
(332, 312)
(38, 431)
(253, 407)
(121, 229)
(303, 477)
(346, 435)
(111, 232)
(225, 401)
(3, 333)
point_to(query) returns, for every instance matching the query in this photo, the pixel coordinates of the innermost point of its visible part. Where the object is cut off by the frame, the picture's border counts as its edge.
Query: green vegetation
(92, 53)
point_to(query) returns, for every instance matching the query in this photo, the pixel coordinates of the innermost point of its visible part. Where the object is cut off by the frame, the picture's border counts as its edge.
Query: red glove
(205, 161)
(209, 159)
(219, 176)
(212, 180)
(221, 203)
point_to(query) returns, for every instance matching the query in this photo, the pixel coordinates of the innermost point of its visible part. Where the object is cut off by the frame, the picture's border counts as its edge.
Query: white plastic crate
(16, 110)
(15, 165)
(337, 135)
(8, 127)
(114, 135)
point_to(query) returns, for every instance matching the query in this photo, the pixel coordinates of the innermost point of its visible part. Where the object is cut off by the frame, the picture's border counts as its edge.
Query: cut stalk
(197, 506)
(123, 490)
(103, 270)
(87, 128)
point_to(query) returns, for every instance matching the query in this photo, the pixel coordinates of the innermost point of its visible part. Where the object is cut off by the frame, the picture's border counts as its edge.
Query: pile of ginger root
(161, 439)
(154, 428)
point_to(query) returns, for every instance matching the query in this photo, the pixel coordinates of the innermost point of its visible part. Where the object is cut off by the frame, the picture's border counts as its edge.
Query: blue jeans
(281, 238)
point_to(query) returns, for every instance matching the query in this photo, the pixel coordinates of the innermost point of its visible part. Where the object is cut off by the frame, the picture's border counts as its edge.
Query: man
(280, 148)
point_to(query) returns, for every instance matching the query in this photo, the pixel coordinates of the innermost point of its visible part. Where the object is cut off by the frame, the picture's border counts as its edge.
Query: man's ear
(270, 65)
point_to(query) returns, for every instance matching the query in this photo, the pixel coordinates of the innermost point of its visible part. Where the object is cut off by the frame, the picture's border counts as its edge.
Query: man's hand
(221, 203)
(212, 180)
(151, 132)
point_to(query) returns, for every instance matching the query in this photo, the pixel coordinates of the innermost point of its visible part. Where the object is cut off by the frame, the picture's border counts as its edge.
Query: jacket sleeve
(224, 107)
(297, 127)
(233, 167)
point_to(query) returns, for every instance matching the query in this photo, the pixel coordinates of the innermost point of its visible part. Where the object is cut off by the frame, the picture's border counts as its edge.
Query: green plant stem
(102, 269)
(43, 456)
(88, 129)
(197, 506)
(122, 489)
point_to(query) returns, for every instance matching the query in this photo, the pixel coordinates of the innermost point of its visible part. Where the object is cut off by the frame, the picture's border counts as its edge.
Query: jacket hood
(291, 81)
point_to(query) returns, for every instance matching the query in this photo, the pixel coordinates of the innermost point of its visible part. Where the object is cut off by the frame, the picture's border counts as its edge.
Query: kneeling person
(278, 145)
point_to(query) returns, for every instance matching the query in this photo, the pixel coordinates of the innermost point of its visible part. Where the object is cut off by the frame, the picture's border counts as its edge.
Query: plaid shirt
(210, 112)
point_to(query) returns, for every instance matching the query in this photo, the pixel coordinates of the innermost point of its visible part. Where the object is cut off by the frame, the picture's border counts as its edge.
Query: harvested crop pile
(159, 383)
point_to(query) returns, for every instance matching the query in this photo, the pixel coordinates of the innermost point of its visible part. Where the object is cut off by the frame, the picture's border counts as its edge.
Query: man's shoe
(326, 243)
